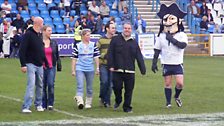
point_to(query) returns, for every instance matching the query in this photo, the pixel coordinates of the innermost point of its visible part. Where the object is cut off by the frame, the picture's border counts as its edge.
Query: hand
(170, 38)
(111, 69)
(73, 73)
(97, 72)
(154, 68)
(24, 69)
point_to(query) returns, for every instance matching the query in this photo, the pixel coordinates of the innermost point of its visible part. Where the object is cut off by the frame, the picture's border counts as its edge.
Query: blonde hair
(45, 27)
(84, 31)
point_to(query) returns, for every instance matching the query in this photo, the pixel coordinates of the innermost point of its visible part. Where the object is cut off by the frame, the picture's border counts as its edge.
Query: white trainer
(88, 102)
(26, 111)
(39, 109)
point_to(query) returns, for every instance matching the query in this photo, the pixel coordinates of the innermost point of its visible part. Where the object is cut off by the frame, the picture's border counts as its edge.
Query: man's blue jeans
(48, 87)
(34, 78)
(105, 84)
(80, 76)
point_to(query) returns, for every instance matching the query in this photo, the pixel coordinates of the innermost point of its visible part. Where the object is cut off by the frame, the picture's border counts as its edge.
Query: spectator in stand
(104, 10)
(7, 8)
(76, 5)
(67, 7)
(78, 28)
(126, 17)
(210, 17)
(140, 25)
(89, 15)
(204, 25)
(22, 5)
(203, 9)
(72, 21)
(94, 8)
(99, 23)
(18, 22)
(194, 9)
(16, 40)
(92, 24)
(80, 18)
(121, 5)
(84, 23)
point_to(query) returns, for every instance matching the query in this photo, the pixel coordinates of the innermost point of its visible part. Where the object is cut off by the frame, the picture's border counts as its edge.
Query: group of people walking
(114, 56)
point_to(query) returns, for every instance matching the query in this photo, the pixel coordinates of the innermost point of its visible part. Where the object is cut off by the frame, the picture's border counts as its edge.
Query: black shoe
(178, 101)
(128, 111)
(81, 106)
(116, 106)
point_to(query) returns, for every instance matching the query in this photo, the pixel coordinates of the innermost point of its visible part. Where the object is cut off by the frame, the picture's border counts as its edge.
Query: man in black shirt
(32, 57)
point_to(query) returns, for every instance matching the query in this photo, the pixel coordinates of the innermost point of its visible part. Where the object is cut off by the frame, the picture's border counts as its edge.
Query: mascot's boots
(88, 102)
(80, 102)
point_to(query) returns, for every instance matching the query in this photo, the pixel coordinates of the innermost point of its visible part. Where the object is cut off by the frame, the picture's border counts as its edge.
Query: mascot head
(171, 18)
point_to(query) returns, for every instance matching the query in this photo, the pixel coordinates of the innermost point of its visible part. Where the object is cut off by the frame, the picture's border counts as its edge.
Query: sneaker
(168, 106)
(178, 101)
(128, 111)
(26, 111)
(50, 108)
(116, 106)
(88, 106)
(39, 109)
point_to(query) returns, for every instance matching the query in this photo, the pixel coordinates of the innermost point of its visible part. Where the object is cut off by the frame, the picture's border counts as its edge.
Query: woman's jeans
(48, 87)
(80, 76)
(34, 78)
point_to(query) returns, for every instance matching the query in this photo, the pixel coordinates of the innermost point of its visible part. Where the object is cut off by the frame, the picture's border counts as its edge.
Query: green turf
(203, 92)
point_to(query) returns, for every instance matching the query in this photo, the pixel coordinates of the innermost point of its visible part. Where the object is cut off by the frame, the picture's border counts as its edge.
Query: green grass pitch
(203, 92)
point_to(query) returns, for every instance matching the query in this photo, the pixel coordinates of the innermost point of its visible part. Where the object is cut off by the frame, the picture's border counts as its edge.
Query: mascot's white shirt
(171, 54)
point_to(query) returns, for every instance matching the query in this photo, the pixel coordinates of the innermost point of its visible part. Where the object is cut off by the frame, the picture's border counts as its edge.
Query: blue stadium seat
(105, 20)
(57, 21)
(50, 5)
(83, 7)
(54, 13)
(114, 13)
(42, 6)
(26, 19)
(57, 1)
(48, 20)
(62, 12)
(14, 11)
(25, 13)
(44, 13)
(31, 6)
(39, 1)
(13, 5)
(211, 28)
(34, 13)
(30, 1)
(119, 28)
(72, 13)
(84, 12)
(60, 28)
(66, 20)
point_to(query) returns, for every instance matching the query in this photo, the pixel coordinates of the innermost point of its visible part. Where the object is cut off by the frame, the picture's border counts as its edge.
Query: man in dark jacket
(32, 57)
(123, 51)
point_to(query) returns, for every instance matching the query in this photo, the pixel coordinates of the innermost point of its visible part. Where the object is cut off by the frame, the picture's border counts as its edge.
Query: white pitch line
(56, 110)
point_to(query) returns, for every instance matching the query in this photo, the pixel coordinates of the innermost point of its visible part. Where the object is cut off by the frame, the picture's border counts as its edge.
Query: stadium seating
(57, 21)
(54, 14)
(72, 13)
(34, 13)
(60, 28)
(44, 13)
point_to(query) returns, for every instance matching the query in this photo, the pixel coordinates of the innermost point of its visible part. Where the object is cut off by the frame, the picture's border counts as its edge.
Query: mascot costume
(170, 44)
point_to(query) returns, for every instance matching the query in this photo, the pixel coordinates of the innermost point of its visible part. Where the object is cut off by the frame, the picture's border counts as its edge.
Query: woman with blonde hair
(84, 54)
